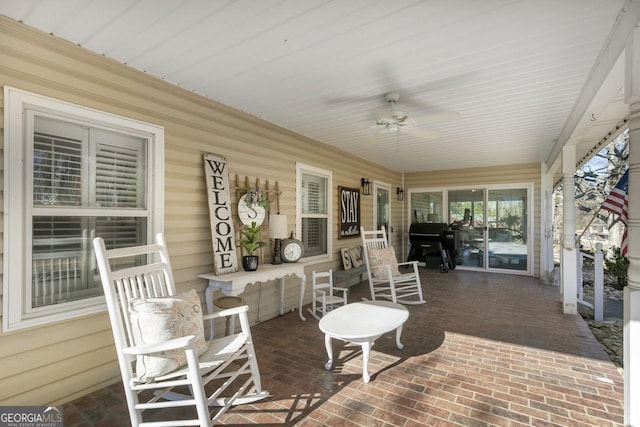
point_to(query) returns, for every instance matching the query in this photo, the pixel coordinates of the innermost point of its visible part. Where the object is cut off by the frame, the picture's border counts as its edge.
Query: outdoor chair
(325, 295)
(164, 359)
(385, 279)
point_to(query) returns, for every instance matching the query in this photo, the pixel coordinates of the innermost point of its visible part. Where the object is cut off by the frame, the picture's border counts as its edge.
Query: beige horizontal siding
(472, 176)
(36, 361)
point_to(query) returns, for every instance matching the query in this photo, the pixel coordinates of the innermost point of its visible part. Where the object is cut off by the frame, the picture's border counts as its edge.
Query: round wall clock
(291, 249)
(250, 213)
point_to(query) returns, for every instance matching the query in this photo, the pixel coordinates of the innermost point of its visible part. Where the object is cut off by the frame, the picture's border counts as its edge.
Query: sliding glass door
(490, 224)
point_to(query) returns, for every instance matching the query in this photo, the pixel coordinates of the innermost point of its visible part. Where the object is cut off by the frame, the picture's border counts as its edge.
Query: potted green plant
(250, 241)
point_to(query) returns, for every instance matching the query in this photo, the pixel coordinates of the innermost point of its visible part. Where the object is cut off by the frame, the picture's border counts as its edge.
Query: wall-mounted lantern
(366, 186)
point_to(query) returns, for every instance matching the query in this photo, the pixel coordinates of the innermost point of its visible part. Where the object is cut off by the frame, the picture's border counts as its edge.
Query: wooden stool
(224, 302)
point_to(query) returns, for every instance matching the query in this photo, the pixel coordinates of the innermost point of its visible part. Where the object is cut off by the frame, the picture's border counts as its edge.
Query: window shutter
(314, 222)
(59, 179)
(117, 180)
(119, 232)
(312, 237)
(313, 198)
(57, 171)
(119, 183)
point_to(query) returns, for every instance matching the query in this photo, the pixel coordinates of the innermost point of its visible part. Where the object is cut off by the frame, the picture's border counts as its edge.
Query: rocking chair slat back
(403, 288)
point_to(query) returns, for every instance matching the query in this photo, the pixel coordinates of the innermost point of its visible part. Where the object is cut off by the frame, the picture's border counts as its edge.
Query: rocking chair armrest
(408, 263)
(335, 288)
(227, 312)
(173, 344)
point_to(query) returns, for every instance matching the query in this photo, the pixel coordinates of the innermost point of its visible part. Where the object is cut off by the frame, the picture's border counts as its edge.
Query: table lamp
(277, 232)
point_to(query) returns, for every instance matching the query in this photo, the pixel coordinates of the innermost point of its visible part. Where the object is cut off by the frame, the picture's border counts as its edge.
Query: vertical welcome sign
(222, 231)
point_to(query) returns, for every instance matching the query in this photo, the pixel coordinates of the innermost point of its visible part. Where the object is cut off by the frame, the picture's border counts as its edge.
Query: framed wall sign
(349, 212)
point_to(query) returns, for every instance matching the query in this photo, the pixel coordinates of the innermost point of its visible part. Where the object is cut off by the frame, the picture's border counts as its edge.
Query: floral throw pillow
(157, 320)
(379, 259)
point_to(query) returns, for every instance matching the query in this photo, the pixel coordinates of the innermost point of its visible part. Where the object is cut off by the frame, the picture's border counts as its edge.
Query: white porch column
(631, 335)
(546, 230)
(569, 262)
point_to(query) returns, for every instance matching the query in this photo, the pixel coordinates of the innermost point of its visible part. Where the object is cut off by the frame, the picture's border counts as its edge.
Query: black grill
(433, 240)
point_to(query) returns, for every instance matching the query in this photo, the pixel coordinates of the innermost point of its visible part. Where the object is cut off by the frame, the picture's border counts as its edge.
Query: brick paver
(485, 350)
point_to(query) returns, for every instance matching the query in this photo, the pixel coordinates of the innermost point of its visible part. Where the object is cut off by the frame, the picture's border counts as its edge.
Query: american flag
(617, 203)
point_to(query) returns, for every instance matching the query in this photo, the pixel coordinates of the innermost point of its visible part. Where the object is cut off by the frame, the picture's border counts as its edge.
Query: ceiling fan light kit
(398, 118)
(392, 120)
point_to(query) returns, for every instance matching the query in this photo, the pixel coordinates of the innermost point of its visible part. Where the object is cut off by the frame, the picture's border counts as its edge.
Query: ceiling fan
(395, 121)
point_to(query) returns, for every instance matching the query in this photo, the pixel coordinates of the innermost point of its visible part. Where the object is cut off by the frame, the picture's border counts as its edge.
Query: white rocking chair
(324, 294)
(155, 359)
(385, 279)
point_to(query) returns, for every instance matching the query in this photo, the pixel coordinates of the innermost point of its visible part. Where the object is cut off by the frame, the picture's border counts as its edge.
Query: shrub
(617, 266)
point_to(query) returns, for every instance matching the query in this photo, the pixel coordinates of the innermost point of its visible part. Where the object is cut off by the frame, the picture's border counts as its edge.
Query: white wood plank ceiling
(512, 69)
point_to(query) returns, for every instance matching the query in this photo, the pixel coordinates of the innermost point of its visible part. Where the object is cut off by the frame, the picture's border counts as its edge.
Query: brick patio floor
(485, 350)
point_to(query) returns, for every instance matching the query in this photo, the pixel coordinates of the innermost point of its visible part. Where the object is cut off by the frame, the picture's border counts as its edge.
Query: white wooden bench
(349, 276)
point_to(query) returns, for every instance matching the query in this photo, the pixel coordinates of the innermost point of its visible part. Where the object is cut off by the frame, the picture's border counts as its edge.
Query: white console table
(233, 284)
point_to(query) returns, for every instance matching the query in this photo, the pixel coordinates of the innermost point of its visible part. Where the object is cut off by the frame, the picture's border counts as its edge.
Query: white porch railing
(598, 281)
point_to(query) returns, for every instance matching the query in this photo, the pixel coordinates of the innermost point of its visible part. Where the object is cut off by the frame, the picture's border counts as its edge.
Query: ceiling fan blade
(339, 100)
(445, 116)
(378, 114)
(420, 132)
(378, 135)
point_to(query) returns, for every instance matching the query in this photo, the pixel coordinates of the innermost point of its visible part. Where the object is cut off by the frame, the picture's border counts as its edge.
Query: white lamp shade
(278, 226)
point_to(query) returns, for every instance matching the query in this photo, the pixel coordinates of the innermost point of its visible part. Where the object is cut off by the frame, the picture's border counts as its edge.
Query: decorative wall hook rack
(245, 185)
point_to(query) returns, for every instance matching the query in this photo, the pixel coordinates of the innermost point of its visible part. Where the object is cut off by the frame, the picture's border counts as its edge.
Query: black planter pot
(250, 262)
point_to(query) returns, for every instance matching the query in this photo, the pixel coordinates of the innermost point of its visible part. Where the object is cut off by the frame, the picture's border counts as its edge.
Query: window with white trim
(71, 174)
(313, 207)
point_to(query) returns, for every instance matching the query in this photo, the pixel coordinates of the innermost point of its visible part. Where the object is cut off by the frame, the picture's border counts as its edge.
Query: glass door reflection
(382, 208)
(467, 219)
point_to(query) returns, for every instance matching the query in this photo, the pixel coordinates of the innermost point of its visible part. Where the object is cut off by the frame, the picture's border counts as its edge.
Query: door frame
(387, 187)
